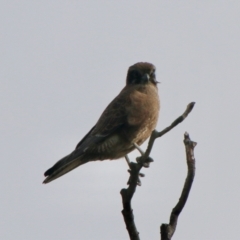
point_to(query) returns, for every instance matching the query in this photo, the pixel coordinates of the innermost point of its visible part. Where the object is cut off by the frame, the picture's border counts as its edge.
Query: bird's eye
(134, 74)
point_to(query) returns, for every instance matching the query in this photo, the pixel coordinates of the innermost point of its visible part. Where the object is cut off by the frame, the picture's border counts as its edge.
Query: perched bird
(126, 122)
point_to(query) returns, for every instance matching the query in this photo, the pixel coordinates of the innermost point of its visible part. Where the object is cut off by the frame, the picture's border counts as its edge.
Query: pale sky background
(62, 62)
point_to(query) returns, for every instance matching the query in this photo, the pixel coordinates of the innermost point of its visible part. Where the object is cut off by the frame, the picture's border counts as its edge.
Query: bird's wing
(113, 117)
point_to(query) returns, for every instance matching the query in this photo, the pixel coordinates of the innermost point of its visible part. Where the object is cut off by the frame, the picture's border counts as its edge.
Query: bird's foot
(146, 162)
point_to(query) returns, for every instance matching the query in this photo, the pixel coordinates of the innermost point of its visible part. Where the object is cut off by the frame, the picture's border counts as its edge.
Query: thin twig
(167, 230)
(156, 134)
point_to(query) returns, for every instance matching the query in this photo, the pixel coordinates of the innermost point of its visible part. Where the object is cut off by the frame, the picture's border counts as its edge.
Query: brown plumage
(129, 118)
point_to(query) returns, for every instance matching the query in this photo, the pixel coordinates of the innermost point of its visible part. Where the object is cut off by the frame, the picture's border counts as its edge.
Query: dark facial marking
(141, 73)
(134, 77)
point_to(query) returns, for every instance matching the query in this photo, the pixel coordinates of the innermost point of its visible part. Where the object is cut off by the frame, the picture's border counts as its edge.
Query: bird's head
(141, 73)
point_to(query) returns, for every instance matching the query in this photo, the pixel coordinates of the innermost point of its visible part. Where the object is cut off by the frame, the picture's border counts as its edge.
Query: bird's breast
(143, 112)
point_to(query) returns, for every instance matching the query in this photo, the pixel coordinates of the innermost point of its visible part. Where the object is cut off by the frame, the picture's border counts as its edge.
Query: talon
(149, 160)
(146, 164)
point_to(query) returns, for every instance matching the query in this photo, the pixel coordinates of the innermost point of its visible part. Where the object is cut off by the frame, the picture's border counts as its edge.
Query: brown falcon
(126, 122)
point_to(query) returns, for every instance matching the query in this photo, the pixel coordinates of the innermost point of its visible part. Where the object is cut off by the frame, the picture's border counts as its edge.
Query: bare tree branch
(143, 161)
(127, 195)
(156, 134)
(167, 230)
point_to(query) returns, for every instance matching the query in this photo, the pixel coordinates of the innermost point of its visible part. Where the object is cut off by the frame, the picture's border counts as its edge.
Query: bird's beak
(145, 78)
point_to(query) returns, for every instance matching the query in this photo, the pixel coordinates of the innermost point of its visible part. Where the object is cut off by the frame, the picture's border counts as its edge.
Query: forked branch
(143, 161)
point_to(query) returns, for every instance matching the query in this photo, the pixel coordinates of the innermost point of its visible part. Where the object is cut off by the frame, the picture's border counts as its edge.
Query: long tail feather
(62, 167)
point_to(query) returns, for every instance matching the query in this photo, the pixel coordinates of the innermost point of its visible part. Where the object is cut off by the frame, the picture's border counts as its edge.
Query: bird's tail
(63, 166)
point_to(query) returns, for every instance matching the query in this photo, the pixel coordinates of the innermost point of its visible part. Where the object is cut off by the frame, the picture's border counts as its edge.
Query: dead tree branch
(143, 161)
(167, 230)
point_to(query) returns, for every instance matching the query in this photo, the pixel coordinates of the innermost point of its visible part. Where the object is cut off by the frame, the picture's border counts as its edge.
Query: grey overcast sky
(62, 62)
